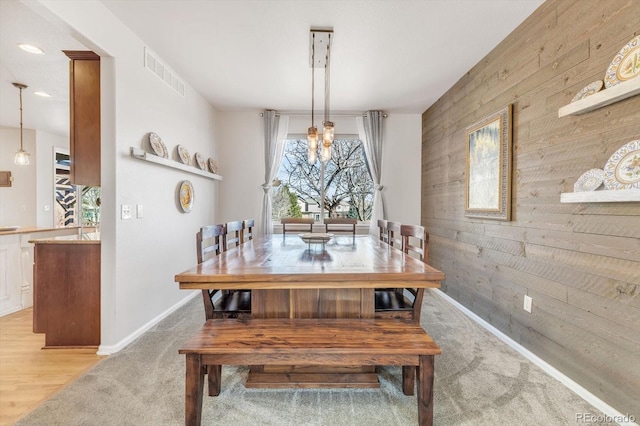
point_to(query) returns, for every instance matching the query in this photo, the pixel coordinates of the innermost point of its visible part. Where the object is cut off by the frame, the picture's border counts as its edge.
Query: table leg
(193, 390)
(425, 390)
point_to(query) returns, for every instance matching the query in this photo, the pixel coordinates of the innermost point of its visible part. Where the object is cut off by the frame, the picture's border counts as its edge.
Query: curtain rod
(301, 114)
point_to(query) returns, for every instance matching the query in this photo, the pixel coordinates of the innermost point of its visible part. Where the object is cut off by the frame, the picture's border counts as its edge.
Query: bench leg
(193, 390)
(408, 379)
(425, 390)
(214, 378)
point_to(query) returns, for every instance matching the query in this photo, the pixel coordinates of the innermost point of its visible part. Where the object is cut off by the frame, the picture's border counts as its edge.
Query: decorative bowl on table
(315, 237)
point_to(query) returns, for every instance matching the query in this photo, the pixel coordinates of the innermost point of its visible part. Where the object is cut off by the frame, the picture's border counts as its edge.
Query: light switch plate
(125, 211)
(527, 303)
(139, 211)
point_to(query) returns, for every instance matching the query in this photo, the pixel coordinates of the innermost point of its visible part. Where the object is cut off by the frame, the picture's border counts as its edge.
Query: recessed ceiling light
(31, 48)
(43, 94)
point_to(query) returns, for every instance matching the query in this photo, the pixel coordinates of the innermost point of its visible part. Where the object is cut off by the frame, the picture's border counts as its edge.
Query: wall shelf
(146, 156)
(606, 196)
(605, 97)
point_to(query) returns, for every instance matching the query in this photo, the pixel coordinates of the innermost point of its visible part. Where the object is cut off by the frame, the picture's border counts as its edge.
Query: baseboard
(610, 412)
(111, 349)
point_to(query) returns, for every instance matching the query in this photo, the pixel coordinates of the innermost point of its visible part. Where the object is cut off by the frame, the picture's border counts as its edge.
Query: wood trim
(84, 55)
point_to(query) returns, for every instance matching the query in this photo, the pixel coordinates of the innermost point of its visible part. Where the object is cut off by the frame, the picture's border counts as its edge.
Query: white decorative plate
(200, 161)
(589, 181)
(625, 65)
(186, 196)
(158, 146)
(588, 90)
(213, 166)
(185, 157)
(622, 171)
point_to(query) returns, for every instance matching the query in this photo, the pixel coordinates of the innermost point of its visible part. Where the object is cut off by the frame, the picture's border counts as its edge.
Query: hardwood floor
(30, 375)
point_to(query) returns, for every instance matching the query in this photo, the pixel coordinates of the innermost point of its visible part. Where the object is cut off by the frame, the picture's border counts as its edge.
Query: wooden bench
(306, 342)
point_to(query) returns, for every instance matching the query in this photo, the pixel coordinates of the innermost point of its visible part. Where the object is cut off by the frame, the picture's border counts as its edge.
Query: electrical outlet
(527, 303)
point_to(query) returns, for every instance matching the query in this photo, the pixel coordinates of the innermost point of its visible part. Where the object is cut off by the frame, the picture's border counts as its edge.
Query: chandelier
(320, 58)
(22, 156)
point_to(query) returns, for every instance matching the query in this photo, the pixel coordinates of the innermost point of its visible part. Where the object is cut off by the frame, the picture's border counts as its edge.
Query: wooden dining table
(291, 278)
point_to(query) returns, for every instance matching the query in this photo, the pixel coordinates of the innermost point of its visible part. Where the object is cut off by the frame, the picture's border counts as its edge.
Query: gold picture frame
(488, 167)
(5, 178)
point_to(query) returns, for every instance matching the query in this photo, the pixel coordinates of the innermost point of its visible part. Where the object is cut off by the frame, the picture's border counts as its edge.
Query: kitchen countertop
(32, 230)
(88, 238)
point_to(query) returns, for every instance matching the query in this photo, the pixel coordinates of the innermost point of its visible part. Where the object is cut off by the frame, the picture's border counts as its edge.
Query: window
(347, 182)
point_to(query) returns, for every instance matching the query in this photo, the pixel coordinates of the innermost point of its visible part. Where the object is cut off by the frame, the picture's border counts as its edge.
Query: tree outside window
(347, 183)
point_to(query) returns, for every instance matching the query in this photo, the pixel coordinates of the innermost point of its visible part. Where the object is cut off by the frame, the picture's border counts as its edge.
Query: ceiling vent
(155, 65)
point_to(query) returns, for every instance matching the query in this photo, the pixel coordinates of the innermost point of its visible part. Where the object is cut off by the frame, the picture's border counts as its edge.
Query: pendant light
(320, 43)
(22, 156)
(328, 128)
(312, 133)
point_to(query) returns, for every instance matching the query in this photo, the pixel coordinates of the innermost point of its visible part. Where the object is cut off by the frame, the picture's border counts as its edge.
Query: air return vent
(155, 65)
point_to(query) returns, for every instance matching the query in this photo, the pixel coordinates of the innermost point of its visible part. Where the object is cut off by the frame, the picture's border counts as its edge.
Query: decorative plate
(185, 157)
(622, 171)
(625, 65)
(213, 166)
(589, 181)
(200, 161)
(315, 237)
(588, 90)
(158, 146)
(186, 196)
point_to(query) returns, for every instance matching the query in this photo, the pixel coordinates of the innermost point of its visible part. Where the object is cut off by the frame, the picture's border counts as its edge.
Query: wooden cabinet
(66, 298)
(84, 90)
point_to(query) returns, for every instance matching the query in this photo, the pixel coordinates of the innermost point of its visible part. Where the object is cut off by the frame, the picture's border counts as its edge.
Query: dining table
(291, 277)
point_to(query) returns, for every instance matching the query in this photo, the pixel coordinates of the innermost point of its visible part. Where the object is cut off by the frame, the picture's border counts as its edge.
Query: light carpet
(479, 380)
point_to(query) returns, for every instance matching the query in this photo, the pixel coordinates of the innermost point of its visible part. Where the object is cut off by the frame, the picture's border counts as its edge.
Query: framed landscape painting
(488, 170)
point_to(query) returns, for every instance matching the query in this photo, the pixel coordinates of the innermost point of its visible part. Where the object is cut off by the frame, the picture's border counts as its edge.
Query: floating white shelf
(146, 156)
(602, 98)
(605, 196)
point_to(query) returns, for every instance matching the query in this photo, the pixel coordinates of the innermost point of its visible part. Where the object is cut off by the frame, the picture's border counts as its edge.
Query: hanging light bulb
(22, 156)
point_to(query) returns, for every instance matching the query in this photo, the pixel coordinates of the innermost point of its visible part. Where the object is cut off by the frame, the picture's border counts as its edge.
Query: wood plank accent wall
(579, 262)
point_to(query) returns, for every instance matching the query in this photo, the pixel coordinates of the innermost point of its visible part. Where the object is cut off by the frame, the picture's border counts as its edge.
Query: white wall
(401, 167)
(44, 176)
(242, 163)
(18, 202)
(141, 256)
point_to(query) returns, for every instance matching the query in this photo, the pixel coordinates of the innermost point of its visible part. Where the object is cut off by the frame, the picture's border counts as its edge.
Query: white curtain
(276, 128)
(370, 132)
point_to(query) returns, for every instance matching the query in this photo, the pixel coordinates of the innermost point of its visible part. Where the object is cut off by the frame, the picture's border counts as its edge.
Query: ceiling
(399, 56)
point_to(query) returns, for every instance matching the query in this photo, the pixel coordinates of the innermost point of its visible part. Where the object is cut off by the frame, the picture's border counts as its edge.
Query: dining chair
(219, 304)
(247, 229)
(299, 224)
(394, 238)
(233, 234)
(341, 224)
(405, 302)
(384, 231)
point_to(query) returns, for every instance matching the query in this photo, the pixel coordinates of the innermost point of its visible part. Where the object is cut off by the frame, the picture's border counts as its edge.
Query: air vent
(155, 65)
